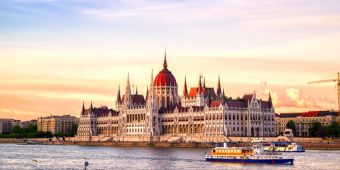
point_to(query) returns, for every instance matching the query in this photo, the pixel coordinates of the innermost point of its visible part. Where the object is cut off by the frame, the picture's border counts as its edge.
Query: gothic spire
(151, 80)
(185, 90)
(136, 90)
(83, 109)
(203, 82)
(128, 90)
(270, 100)
(147, 91)
(223, 94)
(91, 107)
(165, 63)
(118, 95)
(200, 81)
(151, 91)
(218, 90)
(199, 88)
(127, 95)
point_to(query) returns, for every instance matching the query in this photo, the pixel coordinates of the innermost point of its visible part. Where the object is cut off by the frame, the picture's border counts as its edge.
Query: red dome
(165, 78)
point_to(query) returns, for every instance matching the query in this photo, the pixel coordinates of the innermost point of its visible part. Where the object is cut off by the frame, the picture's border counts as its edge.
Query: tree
(16, 130)
(291, 125)
(313, 131)
(332, 130)
(74, 129)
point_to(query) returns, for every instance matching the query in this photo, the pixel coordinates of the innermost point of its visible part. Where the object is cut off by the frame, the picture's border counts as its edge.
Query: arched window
(163, 102)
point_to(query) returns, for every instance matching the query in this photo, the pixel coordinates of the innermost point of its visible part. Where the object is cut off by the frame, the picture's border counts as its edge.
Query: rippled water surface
(14, 156)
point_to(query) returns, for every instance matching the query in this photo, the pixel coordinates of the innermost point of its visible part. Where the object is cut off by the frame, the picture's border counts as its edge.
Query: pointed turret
(91, 107)
(223, 96)
(185, 89)
(218, 90)
(150, 92)
(200, 81)
(254, 95)
(147, 92)
(127, 88)
(204, 82)
(127, 95)
(83, 108)
(136, 90)
(270, 100)
(151, 80)
(165, 63)
(119, 98)
(199, 84)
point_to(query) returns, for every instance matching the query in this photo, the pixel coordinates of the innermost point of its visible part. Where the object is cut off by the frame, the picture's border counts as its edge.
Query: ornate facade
(200, 114)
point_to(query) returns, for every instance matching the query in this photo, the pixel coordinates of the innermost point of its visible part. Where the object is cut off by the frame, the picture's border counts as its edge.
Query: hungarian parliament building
(200, 114)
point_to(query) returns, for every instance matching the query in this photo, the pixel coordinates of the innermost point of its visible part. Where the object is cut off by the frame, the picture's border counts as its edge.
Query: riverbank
(307, 146)
(307, 143)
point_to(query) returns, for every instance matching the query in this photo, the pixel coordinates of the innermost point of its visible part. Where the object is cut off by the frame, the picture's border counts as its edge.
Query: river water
(14, 156)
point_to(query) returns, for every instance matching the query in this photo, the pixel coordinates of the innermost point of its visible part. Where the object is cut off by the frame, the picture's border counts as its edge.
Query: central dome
(165, 77)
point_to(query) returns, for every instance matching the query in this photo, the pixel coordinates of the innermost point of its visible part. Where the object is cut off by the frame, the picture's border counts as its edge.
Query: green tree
(31, 128)
(314, 130)
(332, 130)
(16, 130)
(74, 129)
(291, 125)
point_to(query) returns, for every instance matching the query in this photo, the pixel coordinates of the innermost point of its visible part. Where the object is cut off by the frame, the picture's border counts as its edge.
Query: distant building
(26, 124)
(15, 123)
(304, 121)
(5, 126)
(57, 124)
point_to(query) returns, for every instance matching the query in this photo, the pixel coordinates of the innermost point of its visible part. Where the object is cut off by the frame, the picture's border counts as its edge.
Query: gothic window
(163, 102)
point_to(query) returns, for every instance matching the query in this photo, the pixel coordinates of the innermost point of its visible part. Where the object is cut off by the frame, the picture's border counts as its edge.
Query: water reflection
(72, 157)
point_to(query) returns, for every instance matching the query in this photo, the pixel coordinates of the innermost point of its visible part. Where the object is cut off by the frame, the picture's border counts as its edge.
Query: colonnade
(182, 129)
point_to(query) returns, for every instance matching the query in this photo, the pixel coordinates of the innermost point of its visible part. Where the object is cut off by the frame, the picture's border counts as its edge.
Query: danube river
(14, 156)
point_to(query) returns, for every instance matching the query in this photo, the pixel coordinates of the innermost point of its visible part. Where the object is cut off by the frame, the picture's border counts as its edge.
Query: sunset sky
(55, 54)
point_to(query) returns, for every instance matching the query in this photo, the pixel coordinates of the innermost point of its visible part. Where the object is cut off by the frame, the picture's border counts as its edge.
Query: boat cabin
(232, 151)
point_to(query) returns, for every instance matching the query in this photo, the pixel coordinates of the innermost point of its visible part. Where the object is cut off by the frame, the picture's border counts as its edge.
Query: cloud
(296, 98)
(293, 100)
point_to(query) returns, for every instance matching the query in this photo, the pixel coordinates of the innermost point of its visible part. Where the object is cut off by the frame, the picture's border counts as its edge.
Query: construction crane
(337, 80)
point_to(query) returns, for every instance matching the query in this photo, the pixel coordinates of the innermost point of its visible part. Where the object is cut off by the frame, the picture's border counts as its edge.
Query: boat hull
(281, 151)
(265, 161)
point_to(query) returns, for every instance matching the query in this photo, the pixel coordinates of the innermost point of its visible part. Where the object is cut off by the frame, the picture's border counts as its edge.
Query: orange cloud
(293, 100)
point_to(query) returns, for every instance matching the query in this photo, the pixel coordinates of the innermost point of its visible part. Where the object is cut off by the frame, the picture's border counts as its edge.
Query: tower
(185, 89)
(166, 90)
(127, 95)
(219, 90)
(152, 124)
(83, 109)
(119, 98)
(270, 100)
